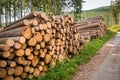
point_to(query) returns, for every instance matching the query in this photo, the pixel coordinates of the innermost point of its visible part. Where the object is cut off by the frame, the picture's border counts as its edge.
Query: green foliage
(69, 69)
(16, 9)
(115, 10)
(115, 28)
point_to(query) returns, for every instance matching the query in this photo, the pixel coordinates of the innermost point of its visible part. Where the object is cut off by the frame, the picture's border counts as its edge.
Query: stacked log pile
(29, 46)
(91, 28)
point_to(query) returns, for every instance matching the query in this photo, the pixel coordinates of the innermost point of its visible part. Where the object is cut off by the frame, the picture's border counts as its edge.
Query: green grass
(69, 69)
(115, 28)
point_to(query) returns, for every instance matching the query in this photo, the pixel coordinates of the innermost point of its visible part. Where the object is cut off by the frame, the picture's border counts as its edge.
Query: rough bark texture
(28, 51)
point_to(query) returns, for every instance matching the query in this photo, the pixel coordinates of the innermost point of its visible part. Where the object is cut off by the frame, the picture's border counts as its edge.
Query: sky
(91, 4)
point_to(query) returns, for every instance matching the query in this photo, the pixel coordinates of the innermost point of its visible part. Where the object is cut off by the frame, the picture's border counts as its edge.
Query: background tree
(11, 10)
(115, 10)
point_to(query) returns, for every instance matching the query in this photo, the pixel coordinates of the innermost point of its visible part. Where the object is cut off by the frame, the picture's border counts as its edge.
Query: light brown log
(20, 60)
(45, 50)
(11, 33)
(42, 63)
(30, 76)
(32, 42)
(37, 28)
(43, 16)
(57, 48)
(53, 63)
(48, 31)
(42, 32)
(46, 37)
(17, 78)
(26, 68)
(45, 26)
(54, 31)
(8, 77)
(27, 51)
(5, 54)
(61, 57)
(11, 40)
(31, 70)
(48, 58)
(12, 55)
(25, 62)
(16, 25)
(35, 61)
(29, 62)
(4, 47)
(31, 48)
(29, 16)
(8, 41)
(18, 70)
(36, 52)
(20, 52)
(36, 72)
(53, 24)
(52, 42)
(34, 22)
(24, 75)
(37, 46)
(3, 63)
(22, 40)
(12, 63)
(38, 36)
(33, 30)
(42, 53)
(23, 46)
(11, 71)
(45, 68)
(3, 73)
(27, 32)
(40, 68)
(58, 42)
(55, 56)
(30, 57)
(52, 52)
(58, 21)
(11, 50)
(49, 47)
(87, 25)
(17, 45)
(48, 24)
(93, 19)
(42, 44)
(41, 27)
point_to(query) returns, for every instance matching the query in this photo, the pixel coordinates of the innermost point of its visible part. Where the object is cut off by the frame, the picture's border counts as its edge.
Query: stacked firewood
(33, 44)
(91, 28)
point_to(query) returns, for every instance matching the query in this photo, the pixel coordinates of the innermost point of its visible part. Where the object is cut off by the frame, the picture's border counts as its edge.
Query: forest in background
(11, 10)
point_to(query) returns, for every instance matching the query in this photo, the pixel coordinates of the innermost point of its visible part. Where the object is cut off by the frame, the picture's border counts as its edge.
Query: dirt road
(105, 65)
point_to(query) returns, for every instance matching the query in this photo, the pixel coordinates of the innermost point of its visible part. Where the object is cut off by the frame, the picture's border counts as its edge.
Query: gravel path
(105, 65)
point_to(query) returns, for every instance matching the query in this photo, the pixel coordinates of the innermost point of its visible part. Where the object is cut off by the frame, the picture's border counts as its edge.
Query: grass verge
(69, 69)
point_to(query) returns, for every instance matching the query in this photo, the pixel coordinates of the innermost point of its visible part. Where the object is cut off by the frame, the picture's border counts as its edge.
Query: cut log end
(10, 42)
(3, 73)
(27, 32)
